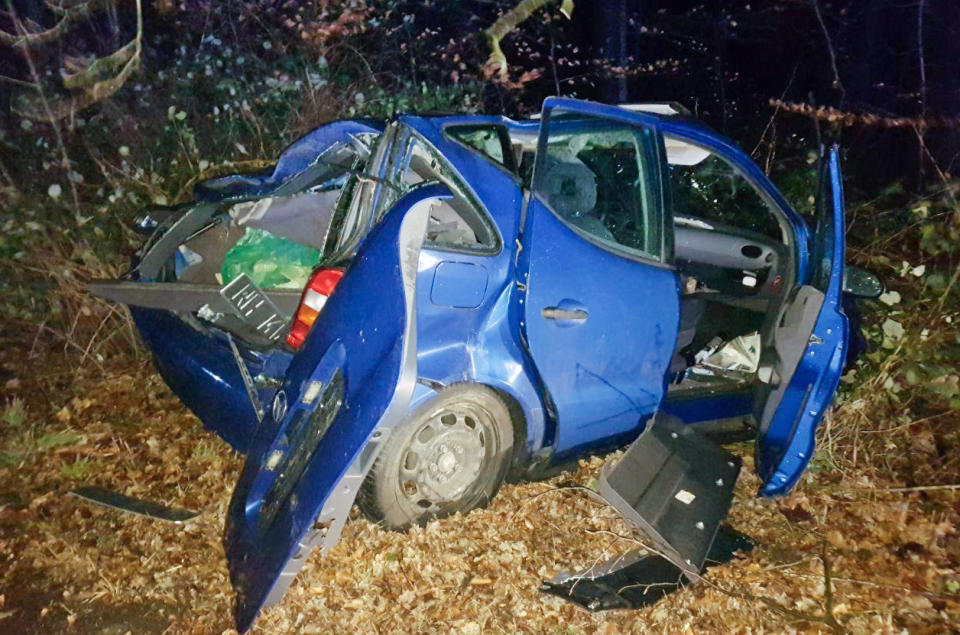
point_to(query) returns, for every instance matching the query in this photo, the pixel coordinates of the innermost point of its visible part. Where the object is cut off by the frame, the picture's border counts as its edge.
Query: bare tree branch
(95, 79)
(923, 66)
(497, 63)
(833, 54)
(847, 119)
(69, 16)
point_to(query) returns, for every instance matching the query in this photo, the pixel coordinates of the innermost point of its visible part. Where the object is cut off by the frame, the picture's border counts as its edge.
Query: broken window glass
(595, 177)
(455, 223)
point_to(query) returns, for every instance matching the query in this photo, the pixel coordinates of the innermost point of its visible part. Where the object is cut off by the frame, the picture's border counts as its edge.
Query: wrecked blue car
(402, 315)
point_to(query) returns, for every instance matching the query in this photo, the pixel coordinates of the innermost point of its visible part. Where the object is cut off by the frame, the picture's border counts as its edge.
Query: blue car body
(577, 337)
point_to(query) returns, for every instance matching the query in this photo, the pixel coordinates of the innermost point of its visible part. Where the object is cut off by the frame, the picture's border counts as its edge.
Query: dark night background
(723, 60)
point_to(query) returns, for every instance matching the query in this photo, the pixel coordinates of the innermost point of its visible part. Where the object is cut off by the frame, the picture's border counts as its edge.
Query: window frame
(406, 135)
(506, 146)
(654, 161)
(771, 207)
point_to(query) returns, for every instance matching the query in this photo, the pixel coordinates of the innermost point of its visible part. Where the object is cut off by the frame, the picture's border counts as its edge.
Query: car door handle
(556, 313)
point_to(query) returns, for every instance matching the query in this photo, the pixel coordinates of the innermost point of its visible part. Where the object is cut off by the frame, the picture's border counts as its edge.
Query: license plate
(254, 307)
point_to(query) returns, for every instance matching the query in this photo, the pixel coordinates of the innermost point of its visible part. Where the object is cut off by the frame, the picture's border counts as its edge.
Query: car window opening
(277, 239)
(596, 177)
(456, 223)
(736, 265)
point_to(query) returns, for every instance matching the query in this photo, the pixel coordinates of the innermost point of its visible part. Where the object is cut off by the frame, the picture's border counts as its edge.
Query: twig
(46, 106)
(786, 566)
(99, 80)
(908, 424)
(878, 585)
(923, 67)
(770, 603)
(847, 119)
(770, 122)
(592, 494)
(553, 64)
(918, 488)
(586, 574)
(923, 75)
(956, 212)
(833, 54)
(220, 170)
(29, 39)
(829, 618)
(7, 176)
(44, 327)
(18, 82)
(93, 338)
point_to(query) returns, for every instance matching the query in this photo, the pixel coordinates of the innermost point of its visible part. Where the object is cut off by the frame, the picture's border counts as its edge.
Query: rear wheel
(451, 455)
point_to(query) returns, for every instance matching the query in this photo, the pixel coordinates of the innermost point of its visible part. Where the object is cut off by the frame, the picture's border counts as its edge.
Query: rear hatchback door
(810, 342)
(350, 383)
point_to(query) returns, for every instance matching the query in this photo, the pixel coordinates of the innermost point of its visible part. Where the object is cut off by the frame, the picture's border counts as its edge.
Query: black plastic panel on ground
(675, 486)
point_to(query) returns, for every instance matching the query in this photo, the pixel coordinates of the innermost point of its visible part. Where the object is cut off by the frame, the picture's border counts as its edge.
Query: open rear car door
(809, 349)
(347, 387)
(597, 215)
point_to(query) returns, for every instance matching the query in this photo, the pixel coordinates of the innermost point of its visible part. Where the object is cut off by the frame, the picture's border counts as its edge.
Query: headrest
(570, 186)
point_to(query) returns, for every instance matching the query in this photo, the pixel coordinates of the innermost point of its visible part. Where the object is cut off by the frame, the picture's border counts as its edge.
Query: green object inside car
(272, 262)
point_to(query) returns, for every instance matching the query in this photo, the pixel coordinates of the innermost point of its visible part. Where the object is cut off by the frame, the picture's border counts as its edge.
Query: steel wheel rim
(444, 460)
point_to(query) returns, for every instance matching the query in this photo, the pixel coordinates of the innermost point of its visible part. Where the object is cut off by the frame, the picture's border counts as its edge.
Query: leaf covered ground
(846, 551)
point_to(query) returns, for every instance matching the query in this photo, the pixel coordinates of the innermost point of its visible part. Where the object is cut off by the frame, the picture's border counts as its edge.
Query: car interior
(732, 250)
(736, 266)
(297, 215)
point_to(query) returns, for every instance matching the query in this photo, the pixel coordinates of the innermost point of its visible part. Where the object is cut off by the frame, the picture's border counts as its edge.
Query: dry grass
(88, 328)
(893, 556)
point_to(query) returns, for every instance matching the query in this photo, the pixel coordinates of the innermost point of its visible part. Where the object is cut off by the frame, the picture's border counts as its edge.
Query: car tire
(450, 455)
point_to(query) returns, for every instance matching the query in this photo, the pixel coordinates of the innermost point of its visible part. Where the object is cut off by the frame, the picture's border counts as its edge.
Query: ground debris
(892, 555)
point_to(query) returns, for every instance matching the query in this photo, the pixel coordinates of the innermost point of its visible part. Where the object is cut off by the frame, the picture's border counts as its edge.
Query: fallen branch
(921, 488)
(848, 119)
(217, 171)
(96, 79)
(876, 585)
(829, 618)
(497, 62)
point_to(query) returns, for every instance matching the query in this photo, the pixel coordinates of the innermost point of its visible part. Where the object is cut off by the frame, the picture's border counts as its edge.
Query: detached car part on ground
(405, 314)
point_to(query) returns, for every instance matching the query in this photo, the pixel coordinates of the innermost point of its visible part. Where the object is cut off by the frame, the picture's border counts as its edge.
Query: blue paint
(459, 285)
(362, 335)
(582, 385)
(199, 367)
(709, 407)
(605, 375)
(788, 445)
(593, 387)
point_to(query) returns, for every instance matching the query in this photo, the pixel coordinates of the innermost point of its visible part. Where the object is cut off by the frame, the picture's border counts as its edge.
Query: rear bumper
(200, 369)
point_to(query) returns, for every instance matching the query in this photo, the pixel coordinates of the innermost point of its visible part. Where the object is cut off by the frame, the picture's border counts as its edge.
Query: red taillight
(315, 294)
